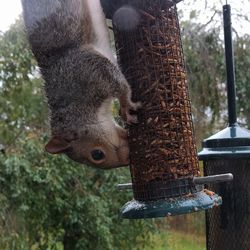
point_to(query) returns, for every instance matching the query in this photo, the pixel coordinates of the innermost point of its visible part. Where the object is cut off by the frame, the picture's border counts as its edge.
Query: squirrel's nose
(127, 161)
(123, 154)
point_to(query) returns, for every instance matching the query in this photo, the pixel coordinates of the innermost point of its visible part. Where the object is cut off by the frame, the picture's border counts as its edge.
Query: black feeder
(228, 226)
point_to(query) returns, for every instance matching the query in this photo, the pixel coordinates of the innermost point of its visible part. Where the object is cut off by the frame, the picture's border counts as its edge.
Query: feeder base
(172, 206)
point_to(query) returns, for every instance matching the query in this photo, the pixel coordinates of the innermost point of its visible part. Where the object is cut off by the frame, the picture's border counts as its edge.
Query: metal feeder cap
(231, 142)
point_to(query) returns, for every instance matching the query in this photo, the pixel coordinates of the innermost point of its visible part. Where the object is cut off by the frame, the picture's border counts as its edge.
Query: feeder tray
(174, 206)
(200, 199)
(163, 154)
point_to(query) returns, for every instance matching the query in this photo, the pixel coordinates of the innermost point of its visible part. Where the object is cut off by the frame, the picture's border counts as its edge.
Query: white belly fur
(102, 42)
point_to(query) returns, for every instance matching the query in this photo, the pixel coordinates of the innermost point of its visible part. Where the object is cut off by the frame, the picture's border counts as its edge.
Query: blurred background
(49, 202)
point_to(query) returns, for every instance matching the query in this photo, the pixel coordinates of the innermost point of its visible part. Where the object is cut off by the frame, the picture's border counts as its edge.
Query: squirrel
(70, 41)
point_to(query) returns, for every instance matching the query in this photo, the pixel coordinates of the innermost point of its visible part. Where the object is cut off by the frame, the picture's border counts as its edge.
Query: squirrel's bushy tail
(53, 26)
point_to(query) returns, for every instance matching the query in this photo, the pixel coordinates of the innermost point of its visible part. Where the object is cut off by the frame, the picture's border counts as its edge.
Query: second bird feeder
(164, 164)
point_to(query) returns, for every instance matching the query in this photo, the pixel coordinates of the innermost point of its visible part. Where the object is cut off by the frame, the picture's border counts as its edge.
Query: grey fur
(78, 79)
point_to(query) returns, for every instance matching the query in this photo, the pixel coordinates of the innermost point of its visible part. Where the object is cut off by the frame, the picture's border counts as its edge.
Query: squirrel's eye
(97, 155)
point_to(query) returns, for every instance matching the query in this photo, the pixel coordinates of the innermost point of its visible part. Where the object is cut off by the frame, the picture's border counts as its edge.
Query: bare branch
(236, 33)
(245, 17)
(210, 20)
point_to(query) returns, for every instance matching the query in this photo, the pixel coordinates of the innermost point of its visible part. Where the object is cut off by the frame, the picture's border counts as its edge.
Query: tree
(21, 103)
(205, 61)
(242, 58)
(204, 56)
(49, 202)
(58, 201)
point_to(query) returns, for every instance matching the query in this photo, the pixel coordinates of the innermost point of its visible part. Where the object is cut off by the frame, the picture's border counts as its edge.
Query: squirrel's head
(79, 95)
(102, 144)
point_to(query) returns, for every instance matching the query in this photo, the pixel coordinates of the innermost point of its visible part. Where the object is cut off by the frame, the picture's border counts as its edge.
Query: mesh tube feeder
(163, 160)
(227, 227)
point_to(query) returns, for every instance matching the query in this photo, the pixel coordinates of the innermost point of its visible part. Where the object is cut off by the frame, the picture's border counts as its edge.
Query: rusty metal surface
(151, 57)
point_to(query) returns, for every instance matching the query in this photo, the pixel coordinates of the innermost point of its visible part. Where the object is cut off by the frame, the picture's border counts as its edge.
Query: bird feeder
(227, 227)
(163, 156)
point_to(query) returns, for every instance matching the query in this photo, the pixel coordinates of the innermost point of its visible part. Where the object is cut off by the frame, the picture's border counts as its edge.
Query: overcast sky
(10, 9)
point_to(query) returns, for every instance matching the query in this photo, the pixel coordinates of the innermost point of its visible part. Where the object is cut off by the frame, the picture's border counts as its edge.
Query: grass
(174, 240)
(165, 240)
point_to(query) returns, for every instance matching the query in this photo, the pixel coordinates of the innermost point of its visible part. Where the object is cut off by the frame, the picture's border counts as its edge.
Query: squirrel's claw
(125, 112)
(135, 106)
(131, 119)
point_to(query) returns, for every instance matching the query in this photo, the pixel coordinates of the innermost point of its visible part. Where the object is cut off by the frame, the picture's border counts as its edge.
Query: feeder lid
(110, 6)
(232, 141)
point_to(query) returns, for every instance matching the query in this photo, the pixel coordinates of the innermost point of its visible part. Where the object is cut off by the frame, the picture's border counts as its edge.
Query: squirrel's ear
(57, 145)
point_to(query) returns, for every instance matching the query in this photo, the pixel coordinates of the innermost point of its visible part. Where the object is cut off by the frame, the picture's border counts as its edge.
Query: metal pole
(196, 180)
(231, 96)
(212, 179)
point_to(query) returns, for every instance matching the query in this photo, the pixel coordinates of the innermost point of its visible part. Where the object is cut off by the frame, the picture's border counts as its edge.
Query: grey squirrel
(70, 41)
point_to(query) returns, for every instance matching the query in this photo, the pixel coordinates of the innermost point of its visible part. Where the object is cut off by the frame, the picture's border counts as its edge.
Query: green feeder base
(172, 206)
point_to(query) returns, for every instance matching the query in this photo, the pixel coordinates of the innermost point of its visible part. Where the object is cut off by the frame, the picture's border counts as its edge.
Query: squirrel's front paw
(126, 112)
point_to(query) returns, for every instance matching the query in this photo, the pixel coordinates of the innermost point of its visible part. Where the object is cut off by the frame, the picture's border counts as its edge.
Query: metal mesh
(228, 226)
(164, 189)
(162, 144)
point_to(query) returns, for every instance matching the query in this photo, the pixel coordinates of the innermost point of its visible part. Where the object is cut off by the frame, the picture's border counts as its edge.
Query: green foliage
(21, 103)
(204, 56)
(58, 200)
(177, 240)
(49, 202)
(205, 61)
(242, 57)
